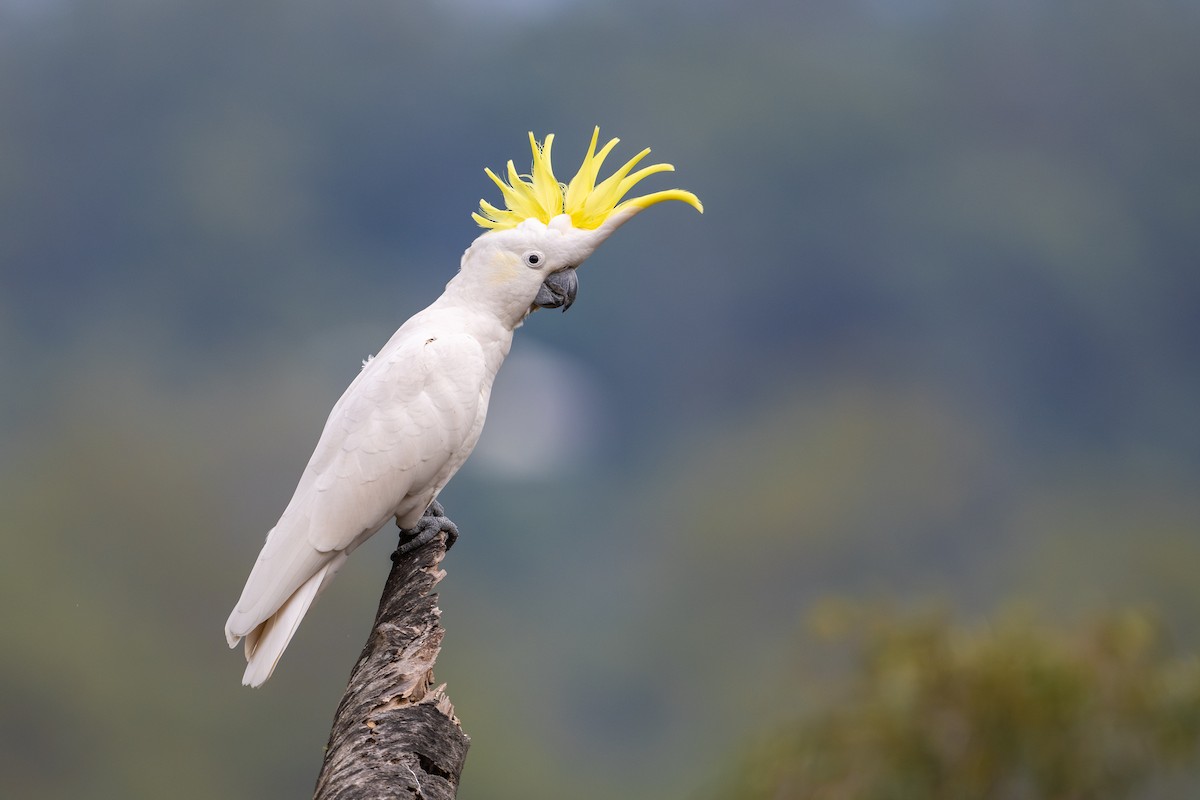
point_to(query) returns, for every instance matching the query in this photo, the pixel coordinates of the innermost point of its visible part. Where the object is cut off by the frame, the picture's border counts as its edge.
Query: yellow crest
(540, 196)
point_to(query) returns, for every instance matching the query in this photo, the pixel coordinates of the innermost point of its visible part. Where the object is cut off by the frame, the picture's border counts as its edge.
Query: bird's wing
(384, 450)
(395, 437)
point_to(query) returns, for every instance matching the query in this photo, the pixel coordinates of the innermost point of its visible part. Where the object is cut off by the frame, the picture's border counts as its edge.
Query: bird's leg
(430, 525)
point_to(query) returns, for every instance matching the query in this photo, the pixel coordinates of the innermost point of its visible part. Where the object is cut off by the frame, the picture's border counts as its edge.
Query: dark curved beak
(558, 290)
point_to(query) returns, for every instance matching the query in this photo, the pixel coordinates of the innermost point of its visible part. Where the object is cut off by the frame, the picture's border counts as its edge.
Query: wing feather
(399, 432)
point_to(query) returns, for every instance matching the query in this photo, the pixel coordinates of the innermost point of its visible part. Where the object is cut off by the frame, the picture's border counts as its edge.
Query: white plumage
(413, 414)
(402, 429)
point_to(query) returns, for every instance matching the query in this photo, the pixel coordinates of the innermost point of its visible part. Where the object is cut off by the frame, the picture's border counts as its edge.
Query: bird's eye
(534, 259)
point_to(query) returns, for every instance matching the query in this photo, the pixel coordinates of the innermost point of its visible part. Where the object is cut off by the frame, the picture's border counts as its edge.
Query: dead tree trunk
(395, 735)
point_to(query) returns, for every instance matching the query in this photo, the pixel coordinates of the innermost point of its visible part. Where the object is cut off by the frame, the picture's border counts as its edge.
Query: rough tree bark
(394, 734)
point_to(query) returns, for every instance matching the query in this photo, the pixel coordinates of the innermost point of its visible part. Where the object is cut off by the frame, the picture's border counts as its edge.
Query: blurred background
(934, 344)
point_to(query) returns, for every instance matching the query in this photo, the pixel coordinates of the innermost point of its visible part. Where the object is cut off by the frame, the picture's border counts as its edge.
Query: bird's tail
(266, 643)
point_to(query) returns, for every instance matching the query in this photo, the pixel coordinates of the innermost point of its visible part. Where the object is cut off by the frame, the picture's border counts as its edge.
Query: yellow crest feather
(540, 196)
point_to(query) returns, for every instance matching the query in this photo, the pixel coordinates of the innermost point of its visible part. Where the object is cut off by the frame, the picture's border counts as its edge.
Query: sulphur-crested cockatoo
(409, 420)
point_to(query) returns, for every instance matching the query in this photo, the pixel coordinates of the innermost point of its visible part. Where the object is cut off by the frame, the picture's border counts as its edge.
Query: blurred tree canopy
(1007, 710)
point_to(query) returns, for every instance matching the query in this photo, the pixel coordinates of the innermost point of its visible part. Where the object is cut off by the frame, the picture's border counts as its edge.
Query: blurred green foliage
(1012, 709)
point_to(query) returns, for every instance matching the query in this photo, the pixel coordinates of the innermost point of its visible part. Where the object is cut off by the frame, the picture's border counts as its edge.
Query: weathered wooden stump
(395, 734)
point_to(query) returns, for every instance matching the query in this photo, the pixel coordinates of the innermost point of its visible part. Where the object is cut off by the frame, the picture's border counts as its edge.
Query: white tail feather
(266, 643)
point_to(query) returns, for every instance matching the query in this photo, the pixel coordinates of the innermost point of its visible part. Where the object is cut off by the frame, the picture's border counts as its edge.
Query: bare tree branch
(395, 734)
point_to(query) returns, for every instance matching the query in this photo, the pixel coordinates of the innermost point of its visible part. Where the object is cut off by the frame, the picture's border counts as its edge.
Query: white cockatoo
(409, 420)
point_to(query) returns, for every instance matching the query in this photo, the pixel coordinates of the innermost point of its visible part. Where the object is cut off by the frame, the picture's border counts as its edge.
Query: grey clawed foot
(433, 523)
(444, 524)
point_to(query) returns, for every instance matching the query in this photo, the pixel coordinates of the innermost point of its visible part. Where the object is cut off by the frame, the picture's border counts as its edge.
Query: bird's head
(534, 244)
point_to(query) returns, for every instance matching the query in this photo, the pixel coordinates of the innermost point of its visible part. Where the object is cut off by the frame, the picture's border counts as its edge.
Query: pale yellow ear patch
(505, 267)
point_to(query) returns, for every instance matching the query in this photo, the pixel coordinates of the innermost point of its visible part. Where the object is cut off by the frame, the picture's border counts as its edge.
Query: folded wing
(397, 435)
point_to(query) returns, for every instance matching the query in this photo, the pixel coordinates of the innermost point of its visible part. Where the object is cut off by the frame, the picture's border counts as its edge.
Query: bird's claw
(434, 522)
